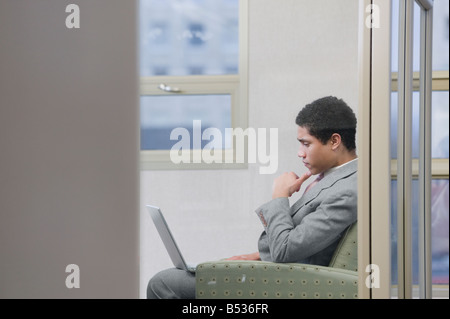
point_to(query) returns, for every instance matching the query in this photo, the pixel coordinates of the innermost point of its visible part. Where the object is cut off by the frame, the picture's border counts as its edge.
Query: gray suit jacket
(309, 231)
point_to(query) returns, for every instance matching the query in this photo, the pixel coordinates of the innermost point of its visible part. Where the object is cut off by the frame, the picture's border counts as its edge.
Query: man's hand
(288, 184)
(254, 256)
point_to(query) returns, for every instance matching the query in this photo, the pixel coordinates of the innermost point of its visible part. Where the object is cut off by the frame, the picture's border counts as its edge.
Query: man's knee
(171, 284)
(153, 290)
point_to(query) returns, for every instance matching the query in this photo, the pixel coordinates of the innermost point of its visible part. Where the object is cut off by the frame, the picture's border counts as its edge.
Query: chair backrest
(346, 254)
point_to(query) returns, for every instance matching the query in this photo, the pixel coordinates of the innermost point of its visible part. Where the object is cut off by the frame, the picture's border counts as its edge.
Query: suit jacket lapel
(326, 182)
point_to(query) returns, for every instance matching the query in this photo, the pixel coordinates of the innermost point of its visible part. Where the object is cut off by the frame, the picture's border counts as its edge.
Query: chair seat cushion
(257, 279)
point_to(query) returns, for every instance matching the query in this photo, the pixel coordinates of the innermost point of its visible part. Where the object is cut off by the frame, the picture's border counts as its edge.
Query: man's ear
(335, 141)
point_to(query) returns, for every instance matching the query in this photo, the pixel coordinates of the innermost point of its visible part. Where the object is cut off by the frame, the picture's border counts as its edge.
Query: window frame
(235, 85)
(438, 167)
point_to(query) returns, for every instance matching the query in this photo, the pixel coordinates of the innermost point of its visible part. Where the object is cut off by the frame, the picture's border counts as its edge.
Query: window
(167, 112)
(193, 70)
(439, 147)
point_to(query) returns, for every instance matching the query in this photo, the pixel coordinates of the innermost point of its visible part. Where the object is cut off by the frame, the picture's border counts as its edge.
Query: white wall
(299, 51)
(69, 179)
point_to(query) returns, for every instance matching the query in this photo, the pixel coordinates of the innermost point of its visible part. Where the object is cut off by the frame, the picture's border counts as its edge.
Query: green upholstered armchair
(257, 279)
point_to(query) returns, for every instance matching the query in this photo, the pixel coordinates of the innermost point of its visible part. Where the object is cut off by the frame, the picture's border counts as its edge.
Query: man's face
(316, 156)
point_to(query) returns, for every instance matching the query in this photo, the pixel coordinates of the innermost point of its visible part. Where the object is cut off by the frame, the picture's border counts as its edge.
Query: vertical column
(425, 277)
(404, 168)
(373, 150)
(380, 147)
(364, 149)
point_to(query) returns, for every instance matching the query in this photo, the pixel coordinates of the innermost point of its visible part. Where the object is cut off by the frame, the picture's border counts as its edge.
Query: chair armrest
(258, 279)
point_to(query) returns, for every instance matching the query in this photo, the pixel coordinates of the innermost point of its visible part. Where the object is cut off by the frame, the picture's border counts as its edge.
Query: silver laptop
(168, 240)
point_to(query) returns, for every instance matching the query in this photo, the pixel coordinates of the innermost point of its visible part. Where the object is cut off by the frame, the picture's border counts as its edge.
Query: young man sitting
(310, 229)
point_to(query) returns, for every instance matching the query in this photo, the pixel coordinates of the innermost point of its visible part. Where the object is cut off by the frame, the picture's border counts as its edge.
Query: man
(309, 231)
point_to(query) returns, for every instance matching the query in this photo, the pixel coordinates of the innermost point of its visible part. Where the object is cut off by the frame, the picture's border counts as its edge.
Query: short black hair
(327, 116)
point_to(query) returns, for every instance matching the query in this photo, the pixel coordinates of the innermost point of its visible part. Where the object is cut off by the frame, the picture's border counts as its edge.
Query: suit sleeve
(316, 231)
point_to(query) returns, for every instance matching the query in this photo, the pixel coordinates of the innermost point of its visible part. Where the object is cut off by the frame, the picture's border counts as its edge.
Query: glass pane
(440, 127)
(161, 114)
(439, 231)
(394, 125)
(415, 124)
(416, 40)
(440, 35)
(187, 37)
(394, 235)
